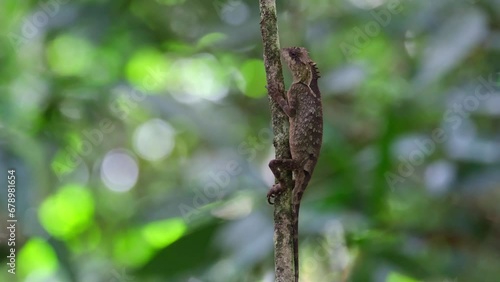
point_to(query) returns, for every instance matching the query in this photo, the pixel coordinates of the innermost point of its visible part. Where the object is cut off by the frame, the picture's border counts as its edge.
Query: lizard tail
(296, 207)
(299, 188)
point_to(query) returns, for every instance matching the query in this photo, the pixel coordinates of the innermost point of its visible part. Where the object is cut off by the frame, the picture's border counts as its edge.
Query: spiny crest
(315, 71)
(314, 81)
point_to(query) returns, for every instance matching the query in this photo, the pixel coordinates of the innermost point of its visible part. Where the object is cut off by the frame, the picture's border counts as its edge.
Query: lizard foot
(275, 191)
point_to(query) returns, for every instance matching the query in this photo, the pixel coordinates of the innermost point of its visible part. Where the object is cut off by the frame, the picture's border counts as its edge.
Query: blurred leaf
(170, 2)
(130, 249)
(398, 277)
(69, 55)
(452, 43)
(254, 79)
(37, 256)
(211, 39)
(163, 233)
(148, 69)
(184, 255)
(68, 212)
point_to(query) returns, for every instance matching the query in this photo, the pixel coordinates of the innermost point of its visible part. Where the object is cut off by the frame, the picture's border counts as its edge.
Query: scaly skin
(303, 107)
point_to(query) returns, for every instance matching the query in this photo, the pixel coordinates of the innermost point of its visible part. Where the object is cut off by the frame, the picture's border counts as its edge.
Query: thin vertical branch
(283, 243)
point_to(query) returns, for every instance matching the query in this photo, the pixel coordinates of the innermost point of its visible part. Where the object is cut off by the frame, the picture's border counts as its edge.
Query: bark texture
(283, 221)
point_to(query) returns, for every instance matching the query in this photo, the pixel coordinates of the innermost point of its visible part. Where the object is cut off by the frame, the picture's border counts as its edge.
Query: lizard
(304, 110)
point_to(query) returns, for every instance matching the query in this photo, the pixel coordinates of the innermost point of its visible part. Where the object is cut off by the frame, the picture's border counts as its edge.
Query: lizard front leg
(277, 166)
(287, 106)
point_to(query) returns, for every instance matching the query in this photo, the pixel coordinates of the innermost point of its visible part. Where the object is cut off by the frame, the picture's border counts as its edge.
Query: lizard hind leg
(277, 166)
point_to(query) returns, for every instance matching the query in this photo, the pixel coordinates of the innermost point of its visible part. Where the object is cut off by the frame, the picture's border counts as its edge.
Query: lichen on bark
(283, 243)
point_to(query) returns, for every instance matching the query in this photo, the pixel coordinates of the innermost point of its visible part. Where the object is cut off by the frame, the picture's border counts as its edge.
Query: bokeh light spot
(148, 69)
(69, 55)
(154, 139)
(210, 77)
(37, 256)
(119, 171)
(235, 12)
(68, 212)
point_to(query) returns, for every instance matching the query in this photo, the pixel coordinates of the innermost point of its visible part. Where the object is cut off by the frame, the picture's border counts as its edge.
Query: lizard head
(298, 62)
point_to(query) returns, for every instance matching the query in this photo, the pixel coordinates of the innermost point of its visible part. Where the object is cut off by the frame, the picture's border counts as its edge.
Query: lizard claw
(275, 190)
(270, 196)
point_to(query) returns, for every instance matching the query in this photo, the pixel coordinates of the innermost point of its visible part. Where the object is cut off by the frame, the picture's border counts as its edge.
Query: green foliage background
(140, 132)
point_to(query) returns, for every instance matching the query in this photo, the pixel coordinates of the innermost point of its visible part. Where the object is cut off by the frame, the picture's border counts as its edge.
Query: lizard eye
(294, 54)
